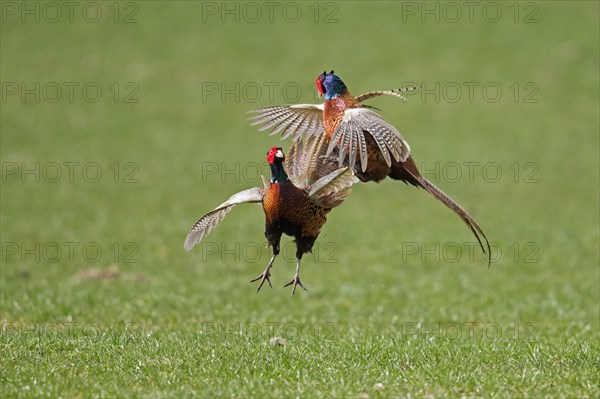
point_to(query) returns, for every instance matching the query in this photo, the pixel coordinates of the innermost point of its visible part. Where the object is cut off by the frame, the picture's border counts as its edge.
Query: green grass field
(122, 123)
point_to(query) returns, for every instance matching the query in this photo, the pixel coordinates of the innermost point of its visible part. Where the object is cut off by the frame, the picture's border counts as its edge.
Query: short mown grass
(99, 299)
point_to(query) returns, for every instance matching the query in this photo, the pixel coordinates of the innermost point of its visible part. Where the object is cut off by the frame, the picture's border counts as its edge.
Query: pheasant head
(330, 85)
(275, 158)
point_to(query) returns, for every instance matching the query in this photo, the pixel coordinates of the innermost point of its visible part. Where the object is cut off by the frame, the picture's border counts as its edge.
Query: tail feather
(392, 92)
(407, 171)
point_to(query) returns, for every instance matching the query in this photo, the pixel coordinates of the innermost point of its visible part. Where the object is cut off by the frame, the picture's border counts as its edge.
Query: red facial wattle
(319, 83)
(272, 154)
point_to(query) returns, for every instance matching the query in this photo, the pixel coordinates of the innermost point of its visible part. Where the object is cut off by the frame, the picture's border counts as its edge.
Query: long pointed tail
(407, 171)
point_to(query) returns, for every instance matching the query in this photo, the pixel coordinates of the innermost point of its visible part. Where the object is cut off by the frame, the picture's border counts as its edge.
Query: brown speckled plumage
(289, 210)
(360, 139)
(296, 205)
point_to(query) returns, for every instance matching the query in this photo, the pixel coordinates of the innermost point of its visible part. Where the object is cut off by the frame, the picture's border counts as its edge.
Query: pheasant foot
(296, 280)
(265, 276)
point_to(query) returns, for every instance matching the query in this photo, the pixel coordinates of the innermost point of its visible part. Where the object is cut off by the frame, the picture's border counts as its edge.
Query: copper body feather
(296, 204)
(359, 138)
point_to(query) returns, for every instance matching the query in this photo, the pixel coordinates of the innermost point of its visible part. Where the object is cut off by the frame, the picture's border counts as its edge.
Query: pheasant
(359, 137)
(296, 204)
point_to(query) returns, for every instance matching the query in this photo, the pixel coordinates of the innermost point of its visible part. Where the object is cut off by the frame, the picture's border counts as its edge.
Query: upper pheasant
(359, 137)
(294, 204)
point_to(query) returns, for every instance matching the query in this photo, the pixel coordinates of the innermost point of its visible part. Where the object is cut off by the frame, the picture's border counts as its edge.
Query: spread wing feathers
(331, 190)
(301, 120)
(294, 163)
(392, 92)
(350, 138)
(304, 162)
(207, 222)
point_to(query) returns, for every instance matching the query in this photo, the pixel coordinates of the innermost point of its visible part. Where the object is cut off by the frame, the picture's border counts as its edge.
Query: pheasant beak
(279, 154)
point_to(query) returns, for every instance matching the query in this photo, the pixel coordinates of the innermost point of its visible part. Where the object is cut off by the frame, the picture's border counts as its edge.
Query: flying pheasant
(294, 204)
(359, 137)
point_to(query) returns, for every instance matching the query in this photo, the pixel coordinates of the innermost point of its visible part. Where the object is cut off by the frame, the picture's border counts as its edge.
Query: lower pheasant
(360, 138)
(294, 204)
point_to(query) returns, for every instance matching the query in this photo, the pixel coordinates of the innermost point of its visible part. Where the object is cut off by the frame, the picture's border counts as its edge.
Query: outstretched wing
(304, 161)
(298, 121)
(350, 138)
(207, 222)
(332, 189)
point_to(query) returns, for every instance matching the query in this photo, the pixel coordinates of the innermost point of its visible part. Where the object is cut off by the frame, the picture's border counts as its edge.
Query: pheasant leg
(296, 280)
(265, 275)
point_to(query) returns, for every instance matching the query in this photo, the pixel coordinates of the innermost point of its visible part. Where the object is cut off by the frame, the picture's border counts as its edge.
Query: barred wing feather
(331, 190)
(349, 138)
(207, 222)
(304, 161)
(298, 121)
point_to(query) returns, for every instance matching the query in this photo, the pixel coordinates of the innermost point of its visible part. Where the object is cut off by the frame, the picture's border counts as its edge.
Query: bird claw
(296, 281)
(264, 276)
